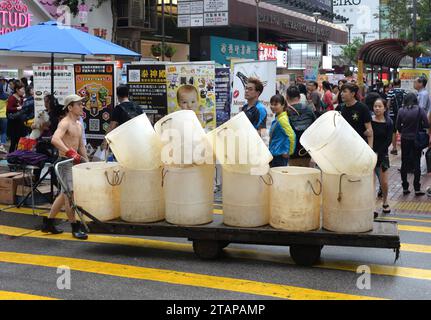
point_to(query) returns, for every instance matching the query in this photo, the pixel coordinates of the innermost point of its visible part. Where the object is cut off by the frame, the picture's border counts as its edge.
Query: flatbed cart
(210, 239)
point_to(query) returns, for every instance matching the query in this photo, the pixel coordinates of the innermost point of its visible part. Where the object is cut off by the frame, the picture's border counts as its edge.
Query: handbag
(422, 137)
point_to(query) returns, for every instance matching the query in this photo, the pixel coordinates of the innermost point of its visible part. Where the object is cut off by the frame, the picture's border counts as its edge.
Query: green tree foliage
(350, 51)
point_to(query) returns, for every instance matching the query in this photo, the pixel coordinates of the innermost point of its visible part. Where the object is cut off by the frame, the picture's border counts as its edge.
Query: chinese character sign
(63, 83)
(147, 88)
(267, 52)
(95, 82)
(222, 89)
(223, 50)
(191, 86)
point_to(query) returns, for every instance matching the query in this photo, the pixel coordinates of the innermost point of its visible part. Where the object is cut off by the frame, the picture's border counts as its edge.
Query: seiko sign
(339, 3)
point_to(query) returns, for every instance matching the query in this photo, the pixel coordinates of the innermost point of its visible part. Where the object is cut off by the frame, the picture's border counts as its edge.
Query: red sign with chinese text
(267, 52)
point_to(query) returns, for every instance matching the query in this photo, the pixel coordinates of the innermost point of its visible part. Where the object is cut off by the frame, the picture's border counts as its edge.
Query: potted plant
(170, 51)
(156, 50)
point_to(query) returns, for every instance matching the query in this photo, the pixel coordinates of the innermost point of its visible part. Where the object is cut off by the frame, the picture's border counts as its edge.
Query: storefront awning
(386, 52)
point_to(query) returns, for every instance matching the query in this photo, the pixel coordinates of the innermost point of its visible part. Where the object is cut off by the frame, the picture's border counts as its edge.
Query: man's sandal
(386, 209)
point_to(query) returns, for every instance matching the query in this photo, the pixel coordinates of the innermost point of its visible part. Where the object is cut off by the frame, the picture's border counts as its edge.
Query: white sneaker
(2, 149)
(428, 191)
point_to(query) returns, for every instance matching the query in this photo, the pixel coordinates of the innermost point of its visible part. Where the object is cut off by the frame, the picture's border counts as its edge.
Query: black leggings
(410, 157)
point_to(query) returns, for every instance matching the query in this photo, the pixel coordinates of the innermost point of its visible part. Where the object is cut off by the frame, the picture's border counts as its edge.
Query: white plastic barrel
(348, 203)
(245, 199)
(189, 194)
(295, 198)
(239, 148)
(142, 197)
(96, 188)
(336, 147)
(135, 144)
(183, 138)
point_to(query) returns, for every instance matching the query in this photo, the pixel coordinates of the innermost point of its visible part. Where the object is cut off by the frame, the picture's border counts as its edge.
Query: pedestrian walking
(327, 100)
(411, 119)
(314, 98)
(15, 114)
(301, 116)
(68, 140)
(382, 131)
(356, 113)
(424, 100)
(282, 137)
(254, 109)
(395, 98)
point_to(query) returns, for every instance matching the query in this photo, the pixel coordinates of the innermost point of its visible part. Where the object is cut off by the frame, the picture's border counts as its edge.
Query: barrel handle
(312, 188)
(164, 173)
(116, 180)
(340, 194)
(165, 121)
(219, 132)
(303, 152)
(270, 178)
(335, 115)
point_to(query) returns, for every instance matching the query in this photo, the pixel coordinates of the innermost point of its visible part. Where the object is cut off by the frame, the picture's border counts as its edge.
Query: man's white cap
(71, 99)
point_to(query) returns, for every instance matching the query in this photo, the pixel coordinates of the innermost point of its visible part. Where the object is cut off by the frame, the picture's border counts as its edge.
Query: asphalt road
(108, 267)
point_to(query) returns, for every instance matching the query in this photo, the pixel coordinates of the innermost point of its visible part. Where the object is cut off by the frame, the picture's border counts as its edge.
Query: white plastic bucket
(189, 194)
(135, 144)
(142, 197)
(295, 198)
(245, 200)
(183, 138)
(239, 148)
(337, 148)
(348, 203)
(96, 188)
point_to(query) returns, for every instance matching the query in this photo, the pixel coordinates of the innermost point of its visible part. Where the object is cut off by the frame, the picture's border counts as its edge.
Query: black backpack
(130, 109)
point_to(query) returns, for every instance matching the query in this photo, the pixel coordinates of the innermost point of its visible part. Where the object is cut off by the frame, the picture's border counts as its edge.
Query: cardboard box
(9, 183)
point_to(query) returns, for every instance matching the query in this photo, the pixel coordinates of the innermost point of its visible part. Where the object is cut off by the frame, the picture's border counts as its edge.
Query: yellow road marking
(413, 206)
(179, 278)
(231, 252)
(414, 228)
(405, 219)
(7, 295)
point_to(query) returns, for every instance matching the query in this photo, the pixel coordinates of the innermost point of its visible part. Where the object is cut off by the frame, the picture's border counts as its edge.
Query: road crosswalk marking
(7, 295)
(415, 273)
(177, 277)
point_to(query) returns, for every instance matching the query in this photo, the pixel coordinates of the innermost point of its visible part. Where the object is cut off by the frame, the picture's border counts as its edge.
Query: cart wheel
(207, 249)
(305, 255)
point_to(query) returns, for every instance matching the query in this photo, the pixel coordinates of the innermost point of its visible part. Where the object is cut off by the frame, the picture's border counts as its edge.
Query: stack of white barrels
(167, 172)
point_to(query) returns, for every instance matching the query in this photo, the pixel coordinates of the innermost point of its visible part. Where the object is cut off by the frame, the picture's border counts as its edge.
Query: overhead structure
(386, 52)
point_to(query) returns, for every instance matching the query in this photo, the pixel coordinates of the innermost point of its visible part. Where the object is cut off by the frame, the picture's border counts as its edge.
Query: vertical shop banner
(222, 89)
(265, 71)
(96, 83)
(191, 86)
(63, 83)
(408, 77)
(311, 71)
(147, 88)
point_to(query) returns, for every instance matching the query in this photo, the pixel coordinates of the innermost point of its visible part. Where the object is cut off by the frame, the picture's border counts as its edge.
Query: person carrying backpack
(395, 99)
(301, 117)
(125, 110)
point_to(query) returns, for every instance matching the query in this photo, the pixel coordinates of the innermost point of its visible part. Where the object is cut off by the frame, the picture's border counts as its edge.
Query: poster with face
(95, 82)
(265, 71)
(191, 86)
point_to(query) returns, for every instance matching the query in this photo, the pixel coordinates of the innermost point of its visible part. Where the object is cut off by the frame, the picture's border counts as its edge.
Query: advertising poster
(147, 88)
(266, 71)
(311, 71)
(63, 83)
(222, 89)
(283, 82)
(191, 86)
(408, 77)
(96, 83)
